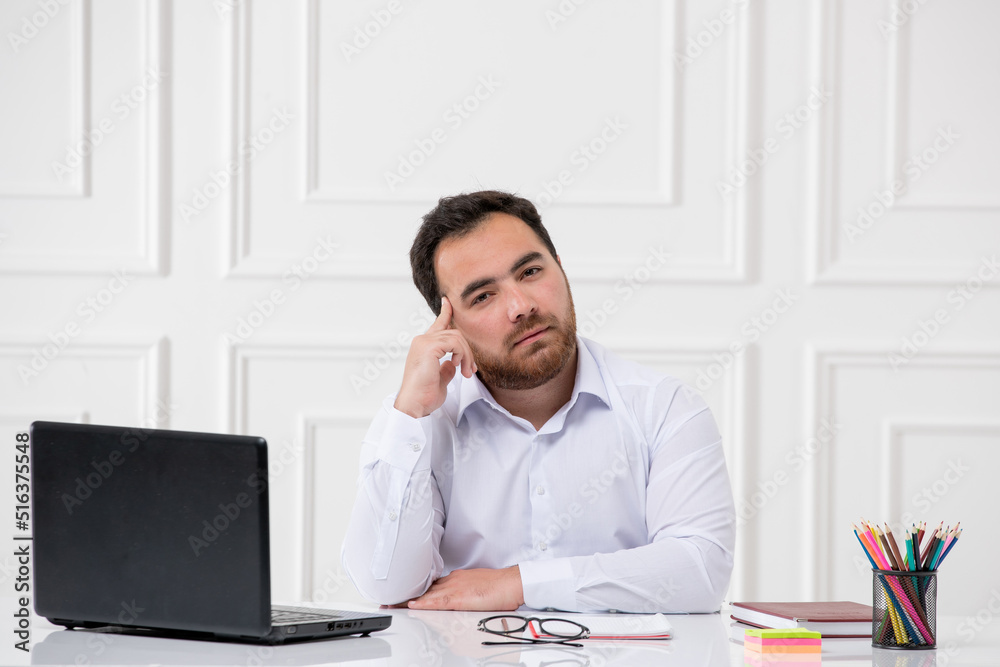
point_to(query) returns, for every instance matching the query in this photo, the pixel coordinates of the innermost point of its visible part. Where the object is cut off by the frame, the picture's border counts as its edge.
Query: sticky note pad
(796, 641)
(787, 633)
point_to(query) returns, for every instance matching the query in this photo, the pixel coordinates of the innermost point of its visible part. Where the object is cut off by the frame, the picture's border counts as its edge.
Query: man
(548, 472)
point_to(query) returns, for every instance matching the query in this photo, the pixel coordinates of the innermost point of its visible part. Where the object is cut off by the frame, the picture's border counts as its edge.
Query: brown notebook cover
(832, 619)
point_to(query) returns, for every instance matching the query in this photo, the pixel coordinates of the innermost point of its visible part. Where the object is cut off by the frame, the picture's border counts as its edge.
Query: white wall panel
(905, 152)
(114, 381)
(89, 197)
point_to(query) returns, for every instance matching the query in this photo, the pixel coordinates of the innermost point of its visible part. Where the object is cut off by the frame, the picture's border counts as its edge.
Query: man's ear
(559, 259)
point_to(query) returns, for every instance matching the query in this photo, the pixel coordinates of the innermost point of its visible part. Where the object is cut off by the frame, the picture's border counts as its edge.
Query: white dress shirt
(620, 501)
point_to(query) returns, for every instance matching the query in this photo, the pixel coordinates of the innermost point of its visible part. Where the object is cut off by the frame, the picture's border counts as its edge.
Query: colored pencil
(895, 548)
(931, 545)
(950, 546)
(947, 543)
(867, 552)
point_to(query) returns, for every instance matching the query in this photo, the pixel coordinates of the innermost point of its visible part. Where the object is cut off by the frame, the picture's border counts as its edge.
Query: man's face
(504, 285)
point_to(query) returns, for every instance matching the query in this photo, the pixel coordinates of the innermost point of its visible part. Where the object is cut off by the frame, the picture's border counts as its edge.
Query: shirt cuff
(548, 584)
(403, 438)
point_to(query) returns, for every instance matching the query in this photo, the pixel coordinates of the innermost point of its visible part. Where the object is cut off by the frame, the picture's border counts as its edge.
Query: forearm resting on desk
(381, 524)
(688, 575)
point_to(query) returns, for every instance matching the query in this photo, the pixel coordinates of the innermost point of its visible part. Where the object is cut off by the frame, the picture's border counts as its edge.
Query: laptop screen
(151, 528)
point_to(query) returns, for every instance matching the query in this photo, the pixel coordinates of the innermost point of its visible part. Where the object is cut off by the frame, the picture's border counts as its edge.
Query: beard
(534, 364)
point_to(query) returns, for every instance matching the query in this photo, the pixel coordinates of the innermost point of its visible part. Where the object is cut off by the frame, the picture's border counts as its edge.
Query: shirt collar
(588, 381)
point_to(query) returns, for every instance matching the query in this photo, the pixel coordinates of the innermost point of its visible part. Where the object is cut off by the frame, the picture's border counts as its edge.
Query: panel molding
(239, 355)
(899, 68)
(152, 355)
(313, 192)
(78, 186)
(732, 268)
(891, 449)
(306, 430)
(824, 266)
(822, 362)
(151, 258)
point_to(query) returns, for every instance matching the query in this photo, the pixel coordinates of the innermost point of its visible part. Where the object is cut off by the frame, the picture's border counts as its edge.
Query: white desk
(422, 639)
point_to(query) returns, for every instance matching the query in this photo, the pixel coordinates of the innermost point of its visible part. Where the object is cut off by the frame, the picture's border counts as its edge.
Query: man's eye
(479, 298)
(532, 271)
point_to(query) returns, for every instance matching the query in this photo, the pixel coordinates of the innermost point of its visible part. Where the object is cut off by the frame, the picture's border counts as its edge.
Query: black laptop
(162, 531)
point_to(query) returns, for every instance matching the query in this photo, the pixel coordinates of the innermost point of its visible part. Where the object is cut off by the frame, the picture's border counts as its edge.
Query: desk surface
(427, 638)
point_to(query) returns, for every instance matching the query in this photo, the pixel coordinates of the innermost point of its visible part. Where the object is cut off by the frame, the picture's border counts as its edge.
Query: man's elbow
(386, 591)
(715, 584)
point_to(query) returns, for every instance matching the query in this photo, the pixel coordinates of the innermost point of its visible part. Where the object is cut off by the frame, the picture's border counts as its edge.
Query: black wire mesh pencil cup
(904, 609)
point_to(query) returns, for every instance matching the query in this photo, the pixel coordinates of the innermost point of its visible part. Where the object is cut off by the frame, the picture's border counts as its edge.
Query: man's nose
(519, 304)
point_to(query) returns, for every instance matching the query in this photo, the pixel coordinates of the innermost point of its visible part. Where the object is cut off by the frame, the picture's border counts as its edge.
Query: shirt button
(542, 546)
(415, 446)
(540, 490)
(392, 515)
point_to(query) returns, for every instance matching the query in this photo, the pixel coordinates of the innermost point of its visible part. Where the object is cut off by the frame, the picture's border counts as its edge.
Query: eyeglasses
(551, 630)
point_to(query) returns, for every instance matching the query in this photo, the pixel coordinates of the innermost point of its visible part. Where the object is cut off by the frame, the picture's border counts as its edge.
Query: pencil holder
(904, 609)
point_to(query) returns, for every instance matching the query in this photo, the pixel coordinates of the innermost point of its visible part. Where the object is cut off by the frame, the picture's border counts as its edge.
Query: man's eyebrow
(483, 282)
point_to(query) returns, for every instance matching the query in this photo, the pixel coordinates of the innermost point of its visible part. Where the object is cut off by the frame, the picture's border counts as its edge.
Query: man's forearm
(670, 575)
(390, 550)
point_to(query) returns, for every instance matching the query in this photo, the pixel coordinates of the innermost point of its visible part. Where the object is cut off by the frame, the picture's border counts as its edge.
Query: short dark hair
(457, 216)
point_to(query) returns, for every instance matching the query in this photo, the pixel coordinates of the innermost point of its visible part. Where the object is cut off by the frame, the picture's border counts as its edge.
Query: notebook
(831, 619)
(162, 531)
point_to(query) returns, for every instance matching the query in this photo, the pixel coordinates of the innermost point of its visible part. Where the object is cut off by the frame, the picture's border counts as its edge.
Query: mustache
(533, 323)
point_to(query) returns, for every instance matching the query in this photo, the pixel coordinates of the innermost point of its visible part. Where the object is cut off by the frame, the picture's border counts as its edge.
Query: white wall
(673, 97)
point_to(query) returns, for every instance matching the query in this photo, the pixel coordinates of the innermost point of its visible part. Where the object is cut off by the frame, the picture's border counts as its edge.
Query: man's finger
(443, 320)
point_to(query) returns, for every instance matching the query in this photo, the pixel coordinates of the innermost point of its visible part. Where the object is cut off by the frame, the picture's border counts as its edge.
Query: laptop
(162, 531)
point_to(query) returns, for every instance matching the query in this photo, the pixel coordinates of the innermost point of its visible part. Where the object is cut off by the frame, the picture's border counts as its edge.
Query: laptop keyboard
(285, 616)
